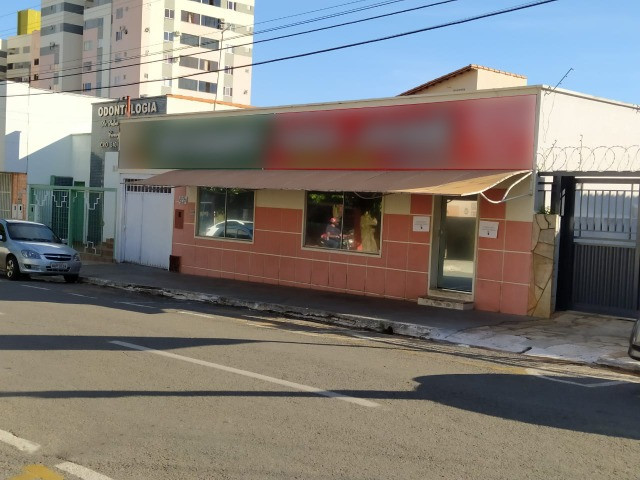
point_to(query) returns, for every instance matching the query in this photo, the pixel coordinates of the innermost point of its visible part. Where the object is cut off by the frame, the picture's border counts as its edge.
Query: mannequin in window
(368, 225)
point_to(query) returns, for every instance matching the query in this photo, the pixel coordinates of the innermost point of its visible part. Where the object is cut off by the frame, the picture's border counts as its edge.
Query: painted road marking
(559, 379)
(37, 472)
(19, 443)
(37, 288)
(80, 471)
(257, 376)
(254, 323)
(136, 304)
(84, 296)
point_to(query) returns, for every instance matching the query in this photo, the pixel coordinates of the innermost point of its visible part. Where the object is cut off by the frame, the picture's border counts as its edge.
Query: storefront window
(225, 213)
(344, 221)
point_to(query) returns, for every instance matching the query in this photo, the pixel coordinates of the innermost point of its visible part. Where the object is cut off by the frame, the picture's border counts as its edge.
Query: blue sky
(597, 38)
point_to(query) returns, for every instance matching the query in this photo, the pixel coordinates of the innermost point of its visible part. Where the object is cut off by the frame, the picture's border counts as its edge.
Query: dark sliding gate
(599, 262)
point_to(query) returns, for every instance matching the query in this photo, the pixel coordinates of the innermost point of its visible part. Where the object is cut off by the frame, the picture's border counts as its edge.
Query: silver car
(33, 249)
(634, 341)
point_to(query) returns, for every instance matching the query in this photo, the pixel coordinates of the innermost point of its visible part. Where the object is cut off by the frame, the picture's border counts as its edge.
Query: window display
(344, 221)
(225, 212)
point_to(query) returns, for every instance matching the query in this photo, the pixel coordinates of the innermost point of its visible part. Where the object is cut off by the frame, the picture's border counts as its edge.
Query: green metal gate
(5, 195)
(84, 216)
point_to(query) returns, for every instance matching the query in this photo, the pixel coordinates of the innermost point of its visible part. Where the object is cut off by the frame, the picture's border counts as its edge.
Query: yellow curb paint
(37, 472)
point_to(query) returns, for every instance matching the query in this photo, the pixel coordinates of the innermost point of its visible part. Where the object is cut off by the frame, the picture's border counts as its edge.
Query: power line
(330, 49)
(383, 3)
(188, 47)
(290, 35)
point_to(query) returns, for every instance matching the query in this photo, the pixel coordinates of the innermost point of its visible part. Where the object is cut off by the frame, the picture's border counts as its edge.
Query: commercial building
(136, 48)
(449, 198)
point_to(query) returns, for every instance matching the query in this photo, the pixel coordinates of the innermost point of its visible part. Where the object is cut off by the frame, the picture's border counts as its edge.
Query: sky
(597, 39)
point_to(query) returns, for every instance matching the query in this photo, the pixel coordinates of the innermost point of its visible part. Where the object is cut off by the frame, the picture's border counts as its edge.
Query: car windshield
(28, 232)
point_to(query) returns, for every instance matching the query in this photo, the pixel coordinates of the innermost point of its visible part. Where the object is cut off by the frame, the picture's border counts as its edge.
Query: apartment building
(136, 48)
(16, 52)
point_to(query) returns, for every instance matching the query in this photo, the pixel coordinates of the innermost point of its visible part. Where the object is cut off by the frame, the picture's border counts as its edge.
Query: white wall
(587, 134)
(38, 129)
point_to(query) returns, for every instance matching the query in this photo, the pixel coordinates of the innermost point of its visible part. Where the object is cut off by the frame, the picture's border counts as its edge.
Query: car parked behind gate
(33, 249)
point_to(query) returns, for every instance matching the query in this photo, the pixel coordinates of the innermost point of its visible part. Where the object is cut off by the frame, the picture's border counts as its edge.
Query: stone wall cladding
(544, 241)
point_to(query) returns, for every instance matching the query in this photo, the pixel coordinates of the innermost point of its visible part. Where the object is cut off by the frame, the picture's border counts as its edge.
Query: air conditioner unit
(176, 34)
(146, 29)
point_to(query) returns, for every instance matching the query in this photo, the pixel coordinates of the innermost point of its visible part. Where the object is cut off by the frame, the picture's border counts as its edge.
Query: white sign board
(488, 229)
(421, 224)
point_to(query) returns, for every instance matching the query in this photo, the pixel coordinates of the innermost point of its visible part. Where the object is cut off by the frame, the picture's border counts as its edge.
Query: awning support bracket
(504, 197)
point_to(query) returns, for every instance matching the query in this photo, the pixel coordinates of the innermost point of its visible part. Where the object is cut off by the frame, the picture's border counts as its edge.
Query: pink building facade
(435, 203)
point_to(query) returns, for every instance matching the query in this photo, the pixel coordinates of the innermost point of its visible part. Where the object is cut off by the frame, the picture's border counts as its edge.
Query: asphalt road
(99, 384)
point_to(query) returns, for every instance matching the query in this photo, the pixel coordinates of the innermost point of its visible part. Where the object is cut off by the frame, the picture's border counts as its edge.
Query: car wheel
(71, 278)
(12, 269)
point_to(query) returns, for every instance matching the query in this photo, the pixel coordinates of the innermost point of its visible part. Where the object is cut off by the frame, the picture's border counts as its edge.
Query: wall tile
(320, 273)
(271, 266)
(395, 284)
(288, 269)
(228, 261)
(338, 275)
(291, 220)
(514, 299)
(416, 285)
(421, 204)
(517, 267)
(356, 276)
(243, 263)
(489, 266)
(397, 257)
(303, 271)
(396, 227)
(375, 281)
(418, 257)
(518, 236)
(487, 295)
(257, 265)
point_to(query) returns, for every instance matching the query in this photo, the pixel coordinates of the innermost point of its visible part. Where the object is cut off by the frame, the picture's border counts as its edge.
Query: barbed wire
(582, 158)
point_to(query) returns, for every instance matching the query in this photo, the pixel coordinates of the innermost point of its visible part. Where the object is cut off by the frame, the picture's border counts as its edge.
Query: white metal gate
(148, 224)
(5, 195)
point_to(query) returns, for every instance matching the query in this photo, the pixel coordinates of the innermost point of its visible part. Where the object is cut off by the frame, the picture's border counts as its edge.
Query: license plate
(59, 266)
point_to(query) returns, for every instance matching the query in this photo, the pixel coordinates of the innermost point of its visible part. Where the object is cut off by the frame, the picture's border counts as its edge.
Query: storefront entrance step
(444, 302)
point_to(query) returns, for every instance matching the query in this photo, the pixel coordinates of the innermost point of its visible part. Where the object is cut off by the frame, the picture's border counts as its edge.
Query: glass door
(457, 244)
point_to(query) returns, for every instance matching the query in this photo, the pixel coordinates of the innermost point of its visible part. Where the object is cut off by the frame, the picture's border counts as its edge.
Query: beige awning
(437, 182)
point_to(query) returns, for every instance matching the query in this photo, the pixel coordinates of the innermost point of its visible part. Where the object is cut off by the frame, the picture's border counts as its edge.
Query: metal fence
(5, 195)
(84, 216)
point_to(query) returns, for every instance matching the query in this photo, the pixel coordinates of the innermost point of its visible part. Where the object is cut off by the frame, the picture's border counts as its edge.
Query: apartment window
(211, 22)
(190, 17)
(118, 36)
(169, 59)
(215, 3)
(188, 84)
(86, 66)
(88, 45)
(187, 39)
(168, 36)
(228, 70)
(56, 79)
(343, 221)
(119, 13)
(26, 49)
(36, 61)
(232, 5)
(207, 87)
(227, 91)
(208, 65)
(167, 82)
(118, 57)
(36, 76)
(13, 51)
(225, 213)
(189, 62)
(209, 43)
(169, 13)
(86, 86)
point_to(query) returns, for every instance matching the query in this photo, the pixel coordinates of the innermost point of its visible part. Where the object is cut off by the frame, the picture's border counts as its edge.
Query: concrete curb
(354, 321)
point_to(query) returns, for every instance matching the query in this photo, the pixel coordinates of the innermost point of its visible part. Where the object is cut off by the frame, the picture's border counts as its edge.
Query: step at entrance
(444, 302)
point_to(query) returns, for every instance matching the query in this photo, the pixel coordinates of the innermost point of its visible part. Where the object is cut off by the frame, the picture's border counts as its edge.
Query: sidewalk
(570, 336)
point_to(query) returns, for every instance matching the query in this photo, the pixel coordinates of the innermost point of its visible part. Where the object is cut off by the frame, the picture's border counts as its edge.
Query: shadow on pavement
(610, 411)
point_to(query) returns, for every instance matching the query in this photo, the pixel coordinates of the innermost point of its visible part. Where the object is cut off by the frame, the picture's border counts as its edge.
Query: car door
(3, 246)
